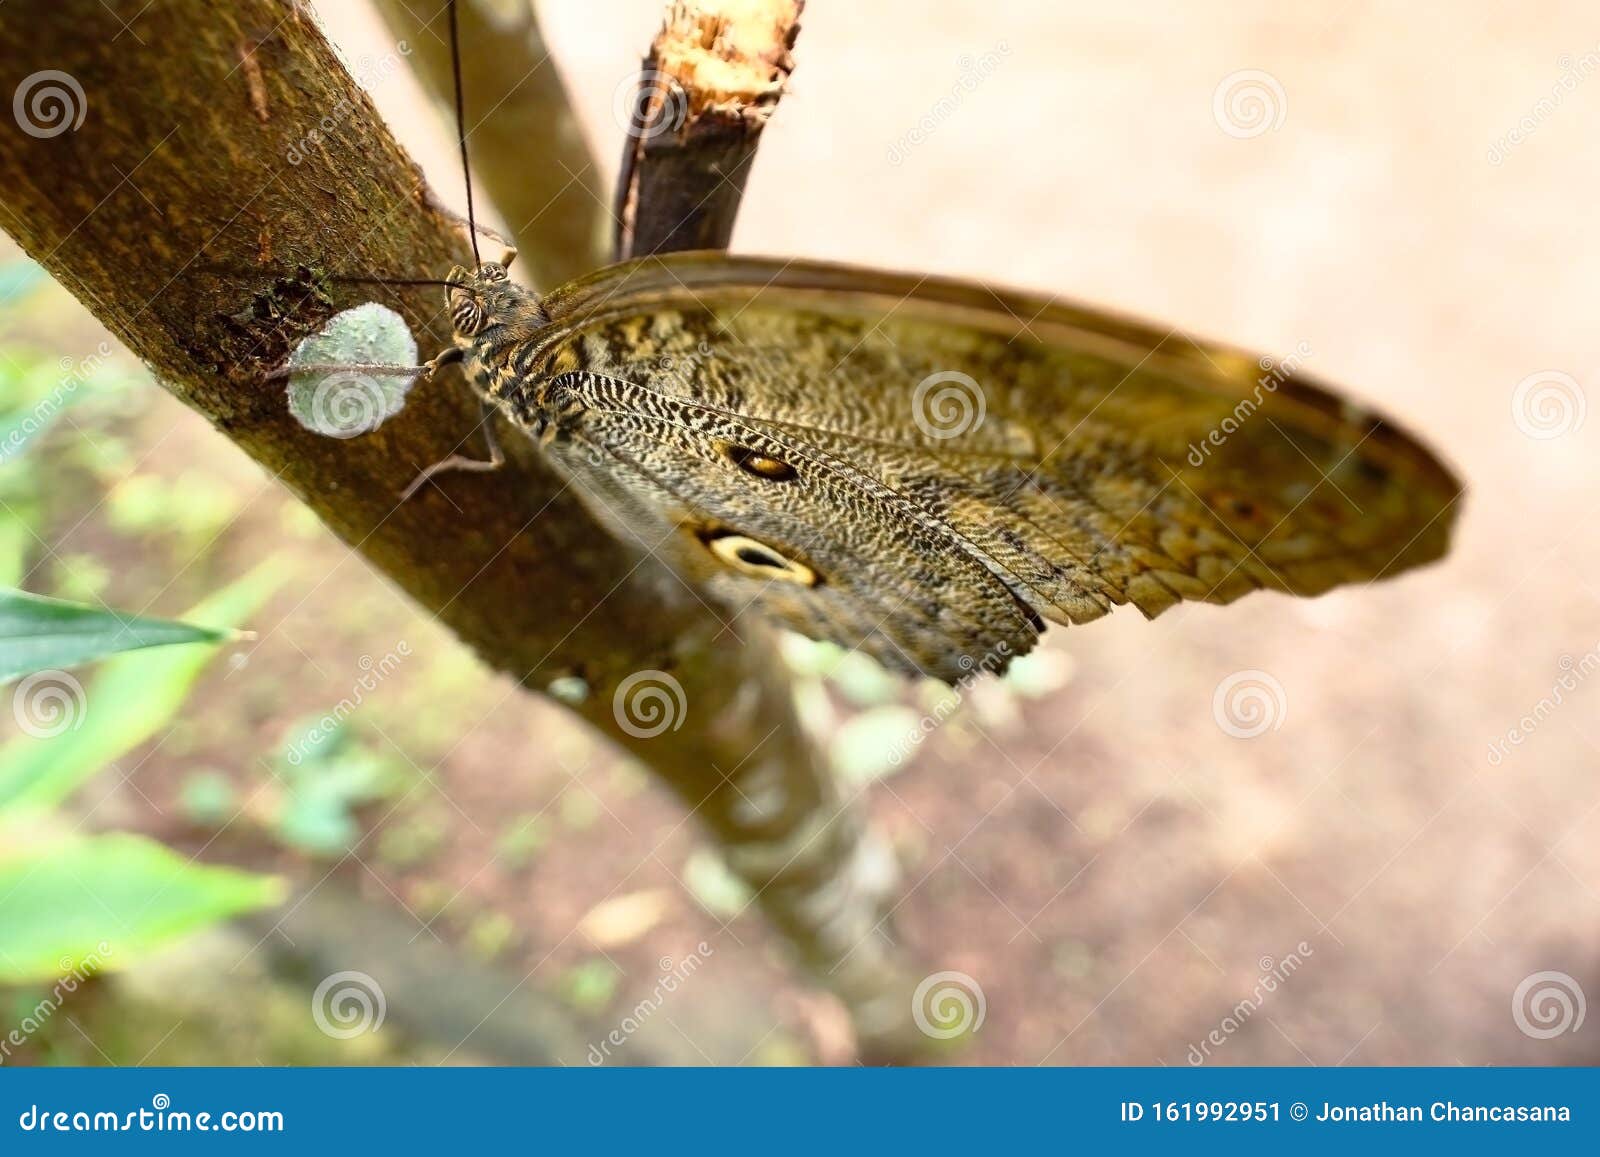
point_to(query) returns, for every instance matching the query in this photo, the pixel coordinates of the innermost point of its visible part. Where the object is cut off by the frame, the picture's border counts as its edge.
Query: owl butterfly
(931, 470)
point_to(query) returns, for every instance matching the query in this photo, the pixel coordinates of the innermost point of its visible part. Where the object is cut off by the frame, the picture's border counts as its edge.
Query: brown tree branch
(528, 149)
(705, 91)
(224, 166)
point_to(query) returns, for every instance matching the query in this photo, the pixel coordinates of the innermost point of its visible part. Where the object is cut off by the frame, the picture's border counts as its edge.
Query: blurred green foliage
(57, 890)
(132, 697)
(55, 900)
(323, 777)
(73, 904)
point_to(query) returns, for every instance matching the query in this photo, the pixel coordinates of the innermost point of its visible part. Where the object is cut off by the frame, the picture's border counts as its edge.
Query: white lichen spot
(353, 399)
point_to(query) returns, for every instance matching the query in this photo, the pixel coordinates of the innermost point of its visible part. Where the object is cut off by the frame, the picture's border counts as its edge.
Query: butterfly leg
(426, 370)
(289, 371)
(494, 461)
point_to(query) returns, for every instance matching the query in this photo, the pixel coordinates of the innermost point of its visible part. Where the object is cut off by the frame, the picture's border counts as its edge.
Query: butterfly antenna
(461, 130)
(402, 281)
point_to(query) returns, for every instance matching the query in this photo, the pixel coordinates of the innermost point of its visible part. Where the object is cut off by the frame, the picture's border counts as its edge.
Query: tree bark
(224, 166)
(706, 89)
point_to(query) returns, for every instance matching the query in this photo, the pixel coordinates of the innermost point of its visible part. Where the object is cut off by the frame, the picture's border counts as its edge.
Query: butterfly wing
(930, 469)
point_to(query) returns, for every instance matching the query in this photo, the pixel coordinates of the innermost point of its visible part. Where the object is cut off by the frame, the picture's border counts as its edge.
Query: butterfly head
(490, 314)
(478, 298)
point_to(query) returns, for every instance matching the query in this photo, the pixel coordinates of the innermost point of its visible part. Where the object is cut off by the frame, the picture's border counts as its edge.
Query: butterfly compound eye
(466, 312)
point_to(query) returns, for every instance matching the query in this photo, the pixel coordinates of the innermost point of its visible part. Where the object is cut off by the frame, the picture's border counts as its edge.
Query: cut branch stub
(694, 115)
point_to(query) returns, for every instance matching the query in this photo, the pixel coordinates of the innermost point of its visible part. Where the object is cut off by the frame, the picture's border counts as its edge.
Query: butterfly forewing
(927, 469)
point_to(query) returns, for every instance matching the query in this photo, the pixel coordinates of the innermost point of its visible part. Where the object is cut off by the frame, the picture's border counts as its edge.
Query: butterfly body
(931, 470)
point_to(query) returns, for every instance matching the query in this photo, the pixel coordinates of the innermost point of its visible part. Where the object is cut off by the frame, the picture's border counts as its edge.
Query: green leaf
(42, 634)
(101, 902)
(133, 697)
